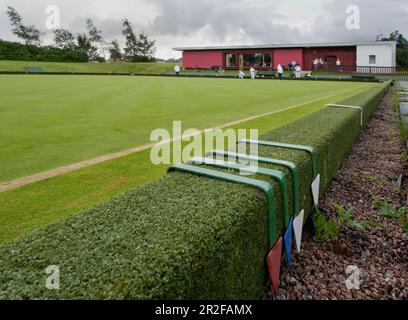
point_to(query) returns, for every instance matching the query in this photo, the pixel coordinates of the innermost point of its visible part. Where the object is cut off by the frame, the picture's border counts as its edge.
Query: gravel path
(380, 249)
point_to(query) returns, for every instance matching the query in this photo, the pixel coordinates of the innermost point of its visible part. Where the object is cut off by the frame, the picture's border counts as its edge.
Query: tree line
(86, 46)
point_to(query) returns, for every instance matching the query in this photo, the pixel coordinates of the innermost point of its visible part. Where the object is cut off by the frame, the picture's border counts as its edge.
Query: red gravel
(380, 250)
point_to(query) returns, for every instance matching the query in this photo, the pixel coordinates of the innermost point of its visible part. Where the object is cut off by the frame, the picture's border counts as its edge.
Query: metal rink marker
(296, 190)
(277, 175)
(308, 149)
(267, 188)
(275, 255)
(312, 151)
(349, 107)
(287, 164)
(297, 222)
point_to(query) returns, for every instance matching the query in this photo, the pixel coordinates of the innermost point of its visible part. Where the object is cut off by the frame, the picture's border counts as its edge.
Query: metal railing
(382, 70)
(333, 68)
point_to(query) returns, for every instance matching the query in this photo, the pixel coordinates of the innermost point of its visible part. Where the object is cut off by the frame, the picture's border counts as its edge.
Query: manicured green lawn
(42, 203)
(116, 67)
(51, 121)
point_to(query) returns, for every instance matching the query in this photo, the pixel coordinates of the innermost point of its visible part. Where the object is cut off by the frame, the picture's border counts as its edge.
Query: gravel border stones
(379, 250)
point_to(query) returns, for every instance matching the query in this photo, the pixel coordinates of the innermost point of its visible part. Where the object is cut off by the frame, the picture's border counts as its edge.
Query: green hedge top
(182, 236)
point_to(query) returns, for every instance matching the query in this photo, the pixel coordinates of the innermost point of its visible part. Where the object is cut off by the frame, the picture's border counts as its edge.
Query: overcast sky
(218, 22)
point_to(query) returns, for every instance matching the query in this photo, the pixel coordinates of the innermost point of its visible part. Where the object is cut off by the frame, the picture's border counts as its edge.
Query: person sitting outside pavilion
(241, 74)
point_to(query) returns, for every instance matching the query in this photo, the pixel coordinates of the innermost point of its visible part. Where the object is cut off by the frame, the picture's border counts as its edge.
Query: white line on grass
(15, 184)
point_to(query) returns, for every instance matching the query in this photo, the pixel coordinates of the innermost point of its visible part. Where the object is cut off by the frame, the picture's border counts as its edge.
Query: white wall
(385, 55)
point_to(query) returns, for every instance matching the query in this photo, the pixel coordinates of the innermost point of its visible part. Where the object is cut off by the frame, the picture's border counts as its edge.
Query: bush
(21, 52)
(182, 236)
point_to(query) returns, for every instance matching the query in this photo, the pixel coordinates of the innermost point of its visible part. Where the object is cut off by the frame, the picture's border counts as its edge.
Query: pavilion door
(331, 63)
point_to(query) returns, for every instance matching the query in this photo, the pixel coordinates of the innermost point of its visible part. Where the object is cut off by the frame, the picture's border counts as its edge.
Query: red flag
(274, 265)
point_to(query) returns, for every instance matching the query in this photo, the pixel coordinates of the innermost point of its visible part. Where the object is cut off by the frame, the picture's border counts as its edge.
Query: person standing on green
(280, 72)
(177, 70)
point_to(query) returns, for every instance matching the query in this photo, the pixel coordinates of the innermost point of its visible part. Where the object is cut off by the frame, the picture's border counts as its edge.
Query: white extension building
(377, 54)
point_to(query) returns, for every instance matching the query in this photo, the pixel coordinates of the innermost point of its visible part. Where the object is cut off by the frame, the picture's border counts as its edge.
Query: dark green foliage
(85, 46)
(405, 224)
(181, 237)
(64, 39)
(114, 50)
(138, 48)
(146, 46)
(387, 210)
(95, 38)
(18, 51)
(325, 228)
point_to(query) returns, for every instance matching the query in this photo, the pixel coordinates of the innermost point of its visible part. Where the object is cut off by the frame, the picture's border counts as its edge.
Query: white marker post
(298, 229)
(350, 107)
(316, 190)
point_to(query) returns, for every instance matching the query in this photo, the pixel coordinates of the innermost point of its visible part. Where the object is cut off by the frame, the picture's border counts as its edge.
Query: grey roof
(294, 45)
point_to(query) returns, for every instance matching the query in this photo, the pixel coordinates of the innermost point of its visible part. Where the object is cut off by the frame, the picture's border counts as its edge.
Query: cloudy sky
(218, 22)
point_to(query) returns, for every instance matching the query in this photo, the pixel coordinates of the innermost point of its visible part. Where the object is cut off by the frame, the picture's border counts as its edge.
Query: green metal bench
(266, 74)
(362, 76)
(33, 70)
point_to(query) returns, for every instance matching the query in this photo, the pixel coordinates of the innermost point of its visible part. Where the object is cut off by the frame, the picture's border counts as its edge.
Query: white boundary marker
(298, 229)
(316, 189)
(350, 107)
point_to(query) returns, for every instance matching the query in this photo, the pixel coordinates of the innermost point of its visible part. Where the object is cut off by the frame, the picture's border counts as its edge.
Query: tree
(64, 39)
(131, 49)
(398, 37)
(95, 35)
(84, 45)
(138, 48)
(146, 47)
(402, 48)
(115, 51)
(30, 34)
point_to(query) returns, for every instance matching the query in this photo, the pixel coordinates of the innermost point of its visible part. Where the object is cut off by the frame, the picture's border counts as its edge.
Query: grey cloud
(181, 17)
(209, 22)
(259, 22)
(376, 17)
(111, 28)
(262, 23)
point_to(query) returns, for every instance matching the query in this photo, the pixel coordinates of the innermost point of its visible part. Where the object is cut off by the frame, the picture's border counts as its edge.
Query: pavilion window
(253, 59)
(267, 58)
(257, 59)
(231, 60)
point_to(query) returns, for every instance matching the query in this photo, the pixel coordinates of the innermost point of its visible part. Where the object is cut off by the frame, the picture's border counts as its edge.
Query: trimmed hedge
(182, 236)
(21, 52)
